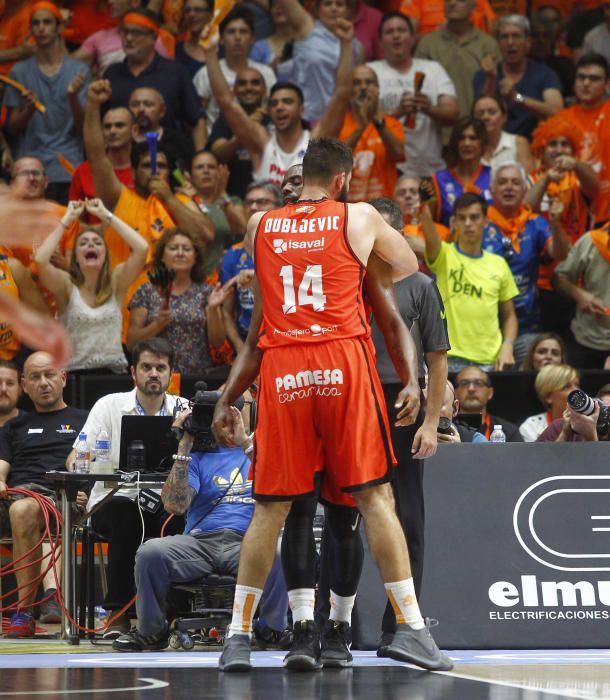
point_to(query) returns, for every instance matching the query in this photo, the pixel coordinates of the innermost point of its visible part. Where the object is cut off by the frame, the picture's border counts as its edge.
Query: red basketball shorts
(320, 409)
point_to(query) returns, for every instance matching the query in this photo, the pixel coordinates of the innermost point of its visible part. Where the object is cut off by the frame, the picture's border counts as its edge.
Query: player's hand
(407, 403)
(82, 499)
(37, 331)
(425, 442)
(222, 424)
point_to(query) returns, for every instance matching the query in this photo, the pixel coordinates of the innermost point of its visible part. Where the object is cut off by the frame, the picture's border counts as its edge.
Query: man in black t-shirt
(31, 445)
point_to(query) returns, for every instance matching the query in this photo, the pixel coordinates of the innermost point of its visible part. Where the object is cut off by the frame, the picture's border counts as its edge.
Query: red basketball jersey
(310, 279)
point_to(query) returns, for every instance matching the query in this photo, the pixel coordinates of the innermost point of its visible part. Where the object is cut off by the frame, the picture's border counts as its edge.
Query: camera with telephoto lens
(581, 402)
(199, 423)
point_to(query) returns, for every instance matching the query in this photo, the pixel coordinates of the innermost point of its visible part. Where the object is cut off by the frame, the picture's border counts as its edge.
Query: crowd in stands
(156, 140)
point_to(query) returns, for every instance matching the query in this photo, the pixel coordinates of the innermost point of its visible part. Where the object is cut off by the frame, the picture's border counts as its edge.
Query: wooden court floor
(53, 670)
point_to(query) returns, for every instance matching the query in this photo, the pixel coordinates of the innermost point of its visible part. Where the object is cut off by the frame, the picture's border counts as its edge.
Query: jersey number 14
(310, 290)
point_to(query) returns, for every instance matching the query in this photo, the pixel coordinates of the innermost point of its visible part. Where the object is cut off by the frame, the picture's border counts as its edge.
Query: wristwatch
(519, 98)
(379, 123)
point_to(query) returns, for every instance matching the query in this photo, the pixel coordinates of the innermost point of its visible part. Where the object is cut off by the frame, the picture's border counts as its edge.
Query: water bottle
(102, 464)
(100, 617)
(82, 459)
(497, 434)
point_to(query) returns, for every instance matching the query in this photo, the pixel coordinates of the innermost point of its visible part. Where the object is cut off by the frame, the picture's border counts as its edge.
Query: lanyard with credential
(142, 412)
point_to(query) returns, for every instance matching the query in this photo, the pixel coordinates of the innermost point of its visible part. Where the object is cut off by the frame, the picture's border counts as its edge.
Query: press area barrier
(517, 548)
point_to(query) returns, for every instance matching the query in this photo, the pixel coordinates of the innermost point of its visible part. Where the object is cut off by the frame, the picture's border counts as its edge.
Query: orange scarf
(511, 227)
(601, 238)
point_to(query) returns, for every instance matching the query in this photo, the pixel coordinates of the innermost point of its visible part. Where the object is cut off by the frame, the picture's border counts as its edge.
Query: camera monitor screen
(156, 435)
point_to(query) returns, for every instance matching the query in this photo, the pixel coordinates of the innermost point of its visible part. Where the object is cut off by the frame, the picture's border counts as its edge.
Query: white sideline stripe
(533, 688)
(153, 684)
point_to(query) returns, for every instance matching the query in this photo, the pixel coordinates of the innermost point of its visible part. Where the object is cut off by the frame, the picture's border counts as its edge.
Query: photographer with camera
(211, 487)
(584, 420)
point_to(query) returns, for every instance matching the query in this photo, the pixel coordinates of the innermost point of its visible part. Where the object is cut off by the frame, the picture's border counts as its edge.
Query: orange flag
(221, 10)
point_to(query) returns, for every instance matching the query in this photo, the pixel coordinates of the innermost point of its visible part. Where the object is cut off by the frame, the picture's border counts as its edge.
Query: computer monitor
(156, 435)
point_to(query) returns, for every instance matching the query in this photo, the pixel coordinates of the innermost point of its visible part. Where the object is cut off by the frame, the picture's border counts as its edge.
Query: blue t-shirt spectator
(224, 492)
(54, 132)
(233, 261)
(533, 242)
(537, 78)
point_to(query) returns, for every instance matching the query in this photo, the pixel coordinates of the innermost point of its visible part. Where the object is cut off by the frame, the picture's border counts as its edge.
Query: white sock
(341, 607)
(302, 602)
(244, 606)
(404, 601)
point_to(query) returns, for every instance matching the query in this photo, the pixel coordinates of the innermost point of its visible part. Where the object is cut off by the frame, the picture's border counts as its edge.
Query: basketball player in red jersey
(321, 405)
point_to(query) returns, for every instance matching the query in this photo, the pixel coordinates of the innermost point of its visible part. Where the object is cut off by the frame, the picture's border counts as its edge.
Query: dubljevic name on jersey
(313, 225)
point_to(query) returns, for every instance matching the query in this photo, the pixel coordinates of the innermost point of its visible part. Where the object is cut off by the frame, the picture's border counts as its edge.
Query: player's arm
(401, 348)
(365, 223)
(28, 291)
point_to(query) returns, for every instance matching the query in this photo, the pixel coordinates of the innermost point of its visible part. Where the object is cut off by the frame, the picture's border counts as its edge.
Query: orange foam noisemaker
(65, 164)
(23, 90)
(221, 10)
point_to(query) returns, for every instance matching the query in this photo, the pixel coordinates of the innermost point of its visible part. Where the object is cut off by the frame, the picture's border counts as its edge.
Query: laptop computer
(155, 434)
